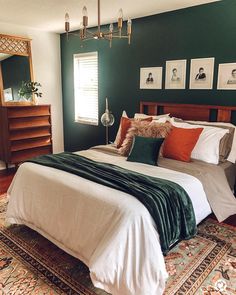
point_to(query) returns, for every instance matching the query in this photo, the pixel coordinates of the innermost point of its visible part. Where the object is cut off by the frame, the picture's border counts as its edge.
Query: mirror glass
(14, 69)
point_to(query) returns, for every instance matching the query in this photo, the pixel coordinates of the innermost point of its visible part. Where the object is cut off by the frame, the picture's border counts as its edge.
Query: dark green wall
(15, 69)
(201, 31)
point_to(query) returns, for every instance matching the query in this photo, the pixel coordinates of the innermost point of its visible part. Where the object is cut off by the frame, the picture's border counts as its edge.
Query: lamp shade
(107, 119)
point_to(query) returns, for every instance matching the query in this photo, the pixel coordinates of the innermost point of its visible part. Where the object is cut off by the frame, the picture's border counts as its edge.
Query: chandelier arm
(109, 39)
(90, 32)
(104, 38)
(108, 32)
(88, 39)
(122, 36)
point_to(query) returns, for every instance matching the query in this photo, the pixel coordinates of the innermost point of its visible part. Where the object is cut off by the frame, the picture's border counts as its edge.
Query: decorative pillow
(145, 150)
(117, 140)
(180, 143)
(125, 124)
(160, 118)
(145, 129)
(207, 147)
(227, 149)
(225, 142)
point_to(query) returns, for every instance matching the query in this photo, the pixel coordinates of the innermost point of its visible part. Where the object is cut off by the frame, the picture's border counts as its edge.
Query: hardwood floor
(6, 177)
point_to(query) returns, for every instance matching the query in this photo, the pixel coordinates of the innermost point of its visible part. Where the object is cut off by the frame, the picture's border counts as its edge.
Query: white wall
(47, 71)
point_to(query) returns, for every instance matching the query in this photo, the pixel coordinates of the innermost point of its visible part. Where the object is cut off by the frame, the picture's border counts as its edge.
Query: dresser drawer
(29, 111)
(25, 132)
(30, 122)
(21, 156)
(30, 133)
(19, 145)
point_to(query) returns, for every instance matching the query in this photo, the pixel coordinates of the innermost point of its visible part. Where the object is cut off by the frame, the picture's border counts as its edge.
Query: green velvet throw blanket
(166, 201)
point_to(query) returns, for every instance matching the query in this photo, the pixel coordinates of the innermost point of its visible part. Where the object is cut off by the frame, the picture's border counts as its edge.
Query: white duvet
(109, 230)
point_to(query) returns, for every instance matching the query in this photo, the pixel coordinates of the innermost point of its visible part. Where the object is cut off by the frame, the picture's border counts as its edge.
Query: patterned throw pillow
(125, 124)
(145, 129)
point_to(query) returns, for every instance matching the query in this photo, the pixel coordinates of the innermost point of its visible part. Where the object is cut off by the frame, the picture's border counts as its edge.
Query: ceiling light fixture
(111, 33)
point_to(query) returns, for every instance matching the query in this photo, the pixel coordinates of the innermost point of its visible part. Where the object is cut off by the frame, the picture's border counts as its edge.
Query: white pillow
(207, 146)
(232, 155)
(160, 118)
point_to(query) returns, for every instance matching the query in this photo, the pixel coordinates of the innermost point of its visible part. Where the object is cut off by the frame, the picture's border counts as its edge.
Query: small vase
(35, 100)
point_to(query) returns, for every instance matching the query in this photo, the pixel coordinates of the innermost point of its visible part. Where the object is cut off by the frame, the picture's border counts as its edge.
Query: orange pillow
(180, 142)
(125, 124)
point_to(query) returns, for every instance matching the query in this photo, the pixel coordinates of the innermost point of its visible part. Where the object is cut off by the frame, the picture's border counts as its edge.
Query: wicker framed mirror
(15, 67)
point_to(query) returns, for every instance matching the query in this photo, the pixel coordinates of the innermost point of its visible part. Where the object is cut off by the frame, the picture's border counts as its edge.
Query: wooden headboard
(188, 111)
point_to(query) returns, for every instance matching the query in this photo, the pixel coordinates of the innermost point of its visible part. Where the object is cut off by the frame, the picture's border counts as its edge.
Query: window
(86, 87)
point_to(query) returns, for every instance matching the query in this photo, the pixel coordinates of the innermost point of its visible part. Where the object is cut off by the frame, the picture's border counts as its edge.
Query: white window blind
(86, 87)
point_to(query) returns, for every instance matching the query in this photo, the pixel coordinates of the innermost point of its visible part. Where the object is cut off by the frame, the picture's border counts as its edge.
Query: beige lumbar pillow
(160, 118)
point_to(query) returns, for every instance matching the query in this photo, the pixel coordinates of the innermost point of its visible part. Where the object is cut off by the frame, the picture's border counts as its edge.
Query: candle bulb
(67, 22)
(67, 18)
(120, 13)
(111, 28)
(129, 24)
(85, 11)
(120, 19)
(85, 16)
(106, 104)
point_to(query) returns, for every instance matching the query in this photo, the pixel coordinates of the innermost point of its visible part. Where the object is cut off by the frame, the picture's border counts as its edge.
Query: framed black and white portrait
(227, 76)
(8, 95)
(175, 74)
(202, 73)
(151, 78)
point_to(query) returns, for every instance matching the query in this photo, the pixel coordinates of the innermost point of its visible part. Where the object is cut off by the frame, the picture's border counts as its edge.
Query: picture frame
(8, 94)
(202, 73)
(176, 74)
(227, 76)
(151, 78)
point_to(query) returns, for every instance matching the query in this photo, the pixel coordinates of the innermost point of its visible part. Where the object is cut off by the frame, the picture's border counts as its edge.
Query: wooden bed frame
(188, 111)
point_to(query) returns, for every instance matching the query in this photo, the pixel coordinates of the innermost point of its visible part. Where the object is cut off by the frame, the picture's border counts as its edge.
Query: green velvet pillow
(145, 150)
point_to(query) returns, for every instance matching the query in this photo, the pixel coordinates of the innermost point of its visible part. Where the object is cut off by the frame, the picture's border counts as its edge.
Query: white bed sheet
(109, 230)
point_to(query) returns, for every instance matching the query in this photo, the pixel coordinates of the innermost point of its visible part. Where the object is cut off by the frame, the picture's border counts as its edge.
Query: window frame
(75, 62)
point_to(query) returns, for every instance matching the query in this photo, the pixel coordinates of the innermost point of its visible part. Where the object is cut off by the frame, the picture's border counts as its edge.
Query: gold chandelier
(86, 34)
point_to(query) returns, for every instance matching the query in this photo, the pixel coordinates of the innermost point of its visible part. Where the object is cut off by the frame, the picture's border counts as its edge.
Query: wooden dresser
(25, 132)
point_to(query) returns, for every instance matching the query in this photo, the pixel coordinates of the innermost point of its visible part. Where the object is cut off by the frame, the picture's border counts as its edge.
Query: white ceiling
(48, 15)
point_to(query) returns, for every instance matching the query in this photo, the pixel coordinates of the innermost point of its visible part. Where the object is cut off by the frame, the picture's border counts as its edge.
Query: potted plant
(27, 90)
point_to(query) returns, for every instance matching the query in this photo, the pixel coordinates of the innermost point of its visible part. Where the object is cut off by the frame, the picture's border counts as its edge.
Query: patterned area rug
(30, 264)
